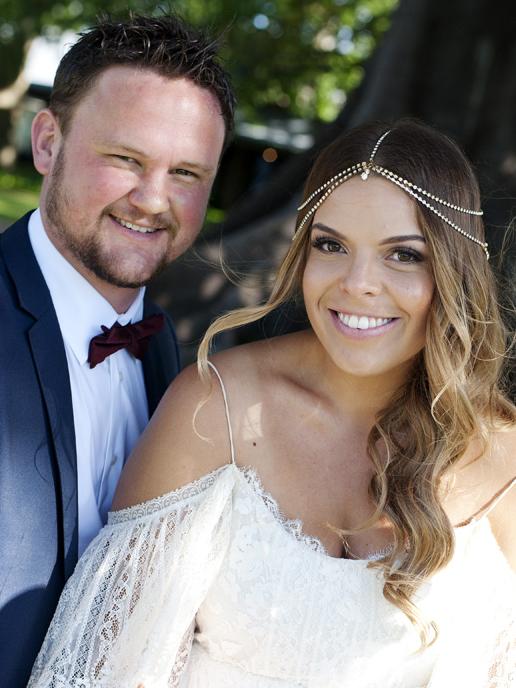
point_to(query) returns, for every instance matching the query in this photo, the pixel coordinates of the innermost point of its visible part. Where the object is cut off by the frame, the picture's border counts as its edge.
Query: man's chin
(129, 281)
(124, 281)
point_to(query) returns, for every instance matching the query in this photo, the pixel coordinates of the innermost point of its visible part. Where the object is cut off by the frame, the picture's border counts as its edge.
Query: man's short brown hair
(164, 44)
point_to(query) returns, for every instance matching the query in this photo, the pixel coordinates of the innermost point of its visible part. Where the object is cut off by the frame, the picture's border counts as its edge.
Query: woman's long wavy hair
(453, 395)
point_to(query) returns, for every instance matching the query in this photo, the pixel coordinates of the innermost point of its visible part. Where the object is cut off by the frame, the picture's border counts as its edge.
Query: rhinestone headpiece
(365, 169)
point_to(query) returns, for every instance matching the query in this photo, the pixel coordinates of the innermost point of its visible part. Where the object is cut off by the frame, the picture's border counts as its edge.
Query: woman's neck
(361, 397)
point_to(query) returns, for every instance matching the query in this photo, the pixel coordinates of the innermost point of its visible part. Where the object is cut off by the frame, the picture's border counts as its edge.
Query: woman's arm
(185, 439)
(127, 614)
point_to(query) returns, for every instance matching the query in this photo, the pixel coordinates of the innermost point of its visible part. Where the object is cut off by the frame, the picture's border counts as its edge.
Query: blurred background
(303, 70)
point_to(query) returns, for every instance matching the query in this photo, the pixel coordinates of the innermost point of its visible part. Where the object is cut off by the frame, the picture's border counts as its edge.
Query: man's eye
(184, 173)
(125, 158)
(326, 245)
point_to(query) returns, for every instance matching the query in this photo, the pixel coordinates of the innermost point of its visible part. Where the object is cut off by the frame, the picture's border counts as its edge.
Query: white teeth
(136, 228)
(361, 322)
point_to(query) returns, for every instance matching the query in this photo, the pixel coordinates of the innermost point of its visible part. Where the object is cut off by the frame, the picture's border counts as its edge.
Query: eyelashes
(320, 241)
(410, 253)
(400, 254)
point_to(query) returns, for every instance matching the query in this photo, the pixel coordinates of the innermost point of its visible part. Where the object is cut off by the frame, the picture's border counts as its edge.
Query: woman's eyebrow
(390, 240)
(403, 237)
(329, 230)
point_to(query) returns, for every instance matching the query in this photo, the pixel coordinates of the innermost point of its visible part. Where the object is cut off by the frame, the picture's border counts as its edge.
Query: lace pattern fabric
(125, 616)
(165, 502)
(291, 525)
(211, 585)
(295, 526)
(479, 641)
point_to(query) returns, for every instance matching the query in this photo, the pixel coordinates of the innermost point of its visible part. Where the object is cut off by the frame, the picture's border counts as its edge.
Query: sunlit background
(293, 66)
(303, 72)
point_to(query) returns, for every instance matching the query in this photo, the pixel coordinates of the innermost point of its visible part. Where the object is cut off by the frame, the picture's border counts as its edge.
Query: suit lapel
(49, 356)
(161, 360)
(160, 366)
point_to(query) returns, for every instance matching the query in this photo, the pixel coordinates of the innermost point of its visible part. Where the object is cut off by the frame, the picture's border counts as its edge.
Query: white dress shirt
(109, 401)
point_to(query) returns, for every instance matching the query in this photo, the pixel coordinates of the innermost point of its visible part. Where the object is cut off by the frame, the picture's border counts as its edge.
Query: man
(128, 148)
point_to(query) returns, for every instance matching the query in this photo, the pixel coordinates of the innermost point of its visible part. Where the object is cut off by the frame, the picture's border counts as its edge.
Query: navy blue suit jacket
(38, 477)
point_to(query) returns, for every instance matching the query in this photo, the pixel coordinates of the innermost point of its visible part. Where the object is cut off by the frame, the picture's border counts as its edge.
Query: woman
(332, 507)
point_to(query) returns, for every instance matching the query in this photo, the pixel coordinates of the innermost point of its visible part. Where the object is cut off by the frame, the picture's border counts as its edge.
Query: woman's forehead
(375, 203)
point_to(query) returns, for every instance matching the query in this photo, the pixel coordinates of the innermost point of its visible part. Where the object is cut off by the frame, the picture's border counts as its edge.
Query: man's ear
(46, 140)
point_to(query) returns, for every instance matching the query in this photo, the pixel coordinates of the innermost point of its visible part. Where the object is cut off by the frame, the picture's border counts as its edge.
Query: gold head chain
(364, 169)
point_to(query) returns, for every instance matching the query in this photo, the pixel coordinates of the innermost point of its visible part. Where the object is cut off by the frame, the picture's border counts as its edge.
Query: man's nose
(150, 194)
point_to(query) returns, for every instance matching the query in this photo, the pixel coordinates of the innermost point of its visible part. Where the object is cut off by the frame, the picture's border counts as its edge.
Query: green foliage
(19, 192)
(285, 55)
(290, 56)
(23, 177)
(21, 20)
(14, 204)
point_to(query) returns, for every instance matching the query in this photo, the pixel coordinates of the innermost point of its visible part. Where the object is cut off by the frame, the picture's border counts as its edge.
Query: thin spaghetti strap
(490, 505)
(226, 409)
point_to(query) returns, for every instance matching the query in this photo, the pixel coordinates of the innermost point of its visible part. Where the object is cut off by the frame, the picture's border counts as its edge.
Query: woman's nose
(360, 276)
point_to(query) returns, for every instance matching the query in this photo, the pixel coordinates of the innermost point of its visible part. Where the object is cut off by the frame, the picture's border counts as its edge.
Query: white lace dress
(209, 587)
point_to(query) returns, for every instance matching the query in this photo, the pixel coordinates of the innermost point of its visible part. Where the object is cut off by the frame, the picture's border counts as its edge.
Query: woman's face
(368, 282)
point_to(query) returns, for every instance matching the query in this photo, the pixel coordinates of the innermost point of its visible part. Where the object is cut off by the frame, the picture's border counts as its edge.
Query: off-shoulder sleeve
(126, 615)
(481, 655)
(478, 649)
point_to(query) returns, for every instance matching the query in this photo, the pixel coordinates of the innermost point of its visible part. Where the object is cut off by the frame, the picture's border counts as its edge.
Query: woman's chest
(282, 607)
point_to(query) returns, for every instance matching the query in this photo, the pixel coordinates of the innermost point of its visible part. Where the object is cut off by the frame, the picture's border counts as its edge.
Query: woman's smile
(368, 282)
(361, 326)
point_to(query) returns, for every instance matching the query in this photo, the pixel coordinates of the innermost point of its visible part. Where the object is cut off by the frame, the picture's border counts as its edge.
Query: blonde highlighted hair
(453, 395)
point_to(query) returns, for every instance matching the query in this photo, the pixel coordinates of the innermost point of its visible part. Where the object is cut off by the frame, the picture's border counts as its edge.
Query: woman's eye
(407, 255)
(326, 245)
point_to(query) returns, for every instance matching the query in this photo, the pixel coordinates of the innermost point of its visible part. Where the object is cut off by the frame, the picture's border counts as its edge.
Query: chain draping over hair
(364, 169)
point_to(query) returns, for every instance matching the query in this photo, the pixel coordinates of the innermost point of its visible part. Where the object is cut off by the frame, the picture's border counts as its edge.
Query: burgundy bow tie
(134, 337)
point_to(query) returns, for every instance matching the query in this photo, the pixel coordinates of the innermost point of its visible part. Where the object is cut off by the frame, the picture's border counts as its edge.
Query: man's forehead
(142, 112)
(130, 83)
(128, 94)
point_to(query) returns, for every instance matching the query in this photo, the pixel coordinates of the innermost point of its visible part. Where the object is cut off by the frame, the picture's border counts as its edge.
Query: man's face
(126, 188)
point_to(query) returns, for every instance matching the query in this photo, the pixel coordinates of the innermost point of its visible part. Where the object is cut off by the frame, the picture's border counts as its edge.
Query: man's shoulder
(150, 307)
(17, 228)
(162, 362)
(15, 243)
(20, 274)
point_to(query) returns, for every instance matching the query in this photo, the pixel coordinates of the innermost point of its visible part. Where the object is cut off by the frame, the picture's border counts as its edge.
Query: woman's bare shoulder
(503, 450)
(271, 356)
(188, 435)
(259, 371)
(502, 515)
(484, 486)
(485, 467)
(185, 439)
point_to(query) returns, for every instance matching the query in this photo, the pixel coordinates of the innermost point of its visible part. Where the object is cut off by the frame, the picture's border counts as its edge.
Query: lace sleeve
(478, 649)
(483, 657)
(502, 668)
(126, 616)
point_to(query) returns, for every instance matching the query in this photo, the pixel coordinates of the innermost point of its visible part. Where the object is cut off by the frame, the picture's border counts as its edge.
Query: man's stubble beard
(86, 250)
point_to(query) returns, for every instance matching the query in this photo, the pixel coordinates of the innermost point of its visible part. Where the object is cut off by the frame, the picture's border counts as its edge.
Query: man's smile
(134, 227)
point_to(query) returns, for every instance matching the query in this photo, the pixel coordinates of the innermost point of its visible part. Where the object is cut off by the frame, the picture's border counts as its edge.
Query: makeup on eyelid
(367, 286)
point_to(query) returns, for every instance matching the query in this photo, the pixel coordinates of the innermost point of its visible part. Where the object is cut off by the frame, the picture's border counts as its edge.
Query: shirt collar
(80, 308)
